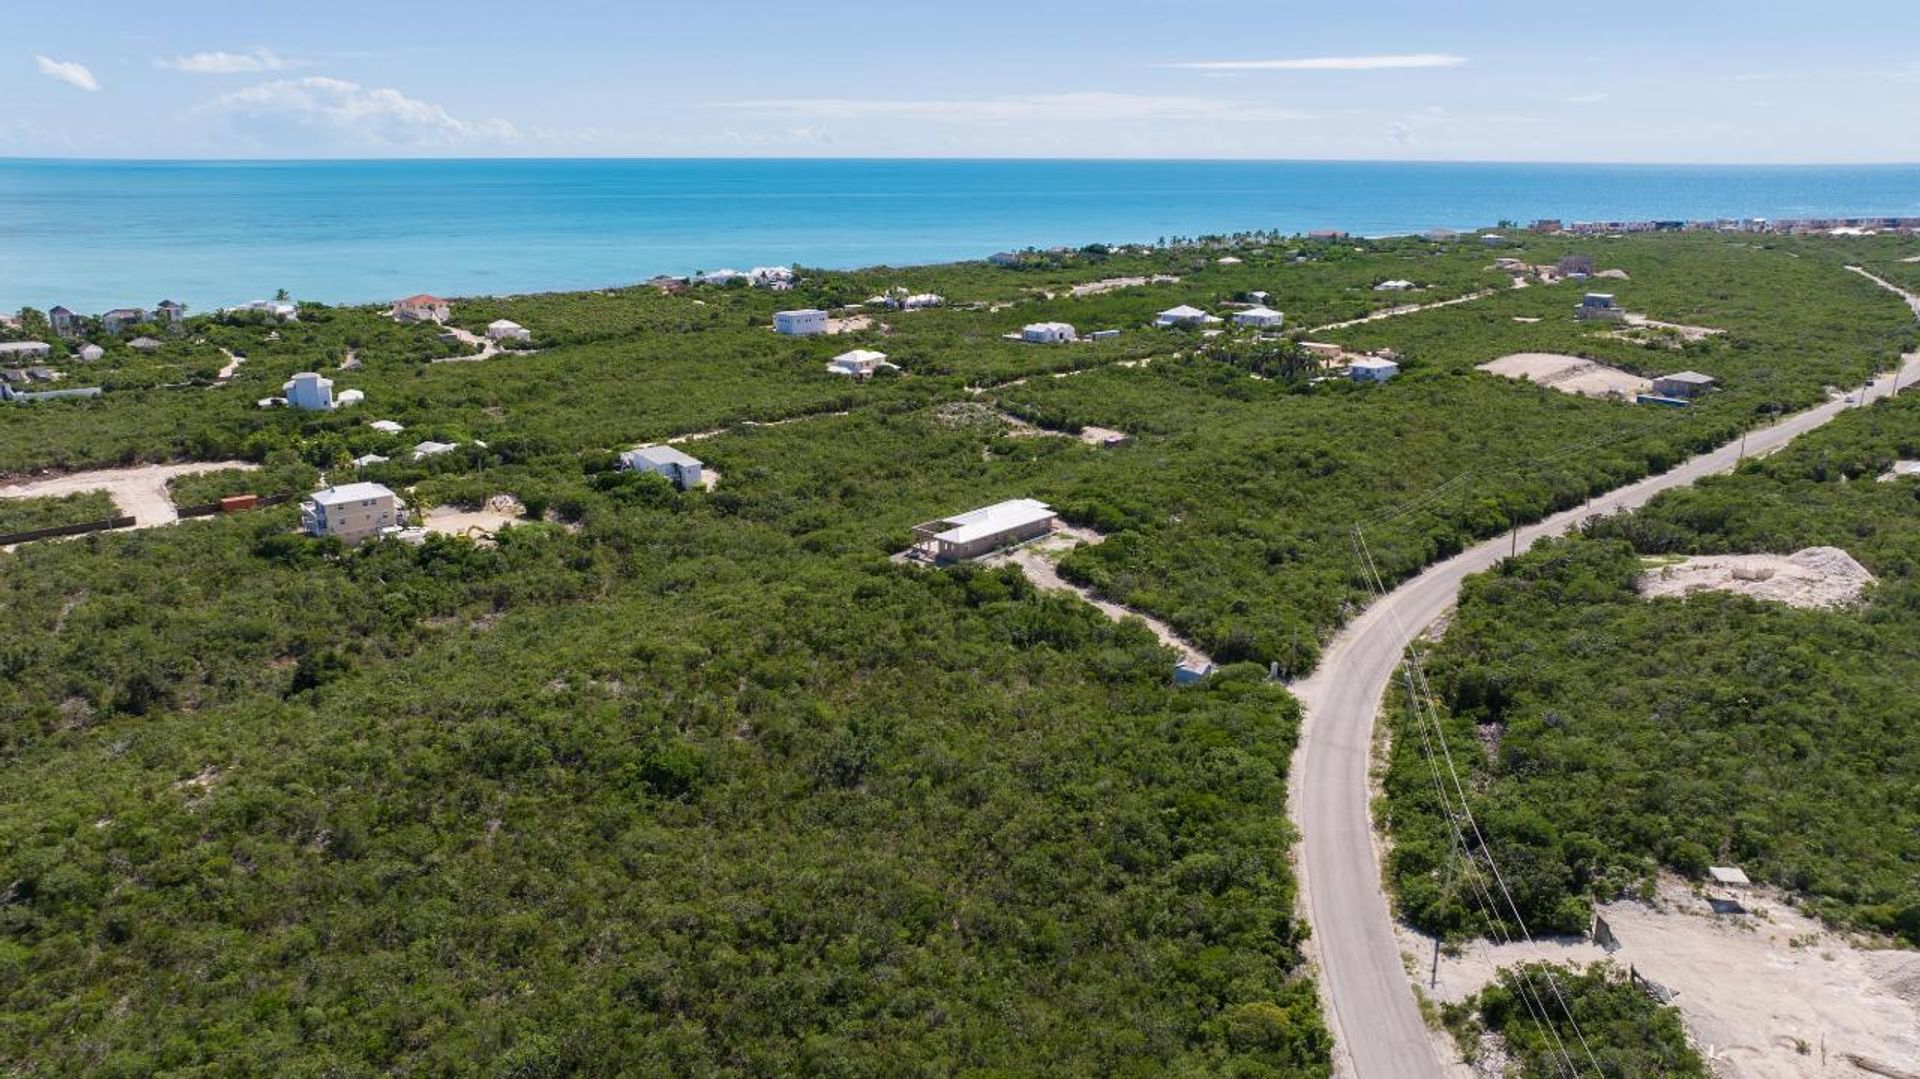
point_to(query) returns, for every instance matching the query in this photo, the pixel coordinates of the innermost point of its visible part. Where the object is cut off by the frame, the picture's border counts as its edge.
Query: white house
(169, 311)
(430, 448)
(1683, 385)
(501, 329)
(349, 397)
(64, 322)
(121, 317)
(1048, 333)
(802, 323)
(144, 344)
(1394, 285)
(21, 351)
(1183, 315)
(860, 363)
(778, 278)
(353, 512)
(367, 460)
(310, 391)
(91, 352)
(1493, 239)
(1264, 318)
(684, 470)
(1372, 369)
(976, 532)
(720, 277)
(422, 308)
(280, 310)
(386, 427)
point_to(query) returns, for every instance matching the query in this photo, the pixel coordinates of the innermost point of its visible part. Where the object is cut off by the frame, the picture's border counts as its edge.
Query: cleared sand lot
(1569, 374)
(1766, 994)
(1094, 288)
(1899, 469)
(140, 492)
(1811, 577)
(500, 511)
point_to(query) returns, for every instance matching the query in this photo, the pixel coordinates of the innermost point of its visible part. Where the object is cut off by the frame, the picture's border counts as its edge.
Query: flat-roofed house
(1265, 318)
(1372, 369)
(501, 329)
(989, 528)
(1048, 333)
(1683, 385)
(804, 322)
(1394, 285)
(309, 390)
(1599, 307)
(12, 352)
(422, 308)
(683, 469)
(860, 363)
(352, 512)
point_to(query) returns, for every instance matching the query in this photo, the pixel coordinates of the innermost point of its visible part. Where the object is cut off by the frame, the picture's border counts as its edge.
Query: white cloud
(68, 72)
(350, 114)
(1083, 106)
(1328, 63)
(1586, 99)
(228, 63)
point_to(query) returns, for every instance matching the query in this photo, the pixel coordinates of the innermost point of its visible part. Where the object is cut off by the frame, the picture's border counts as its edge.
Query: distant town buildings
(352, 513)
(1048, 333)
(681, 469)
(860, 363)
(801, 323)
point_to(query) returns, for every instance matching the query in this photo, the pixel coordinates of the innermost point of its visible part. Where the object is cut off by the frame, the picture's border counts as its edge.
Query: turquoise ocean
(99, 234)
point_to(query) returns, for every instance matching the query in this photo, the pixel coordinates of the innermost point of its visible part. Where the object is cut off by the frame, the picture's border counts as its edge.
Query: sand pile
(1568, 374)
(1899, 469)
(1812, 577)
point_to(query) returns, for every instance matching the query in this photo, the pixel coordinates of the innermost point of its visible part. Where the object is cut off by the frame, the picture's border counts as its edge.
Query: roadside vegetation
(1606, 735)
(27, 514)
(1607, 1027)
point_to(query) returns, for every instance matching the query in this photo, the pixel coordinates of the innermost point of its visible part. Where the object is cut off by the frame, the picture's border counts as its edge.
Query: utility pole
(1743, 445)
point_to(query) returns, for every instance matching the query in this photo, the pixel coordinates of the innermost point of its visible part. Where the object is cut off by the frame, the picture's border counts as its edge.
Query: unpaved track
(1369, 999)
(140, 492)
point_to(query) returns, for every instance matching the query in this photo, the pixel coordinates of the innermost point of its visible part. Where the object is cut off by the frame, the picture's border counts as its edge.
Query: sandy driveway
(1037, 561)
(140, 492)
(1403, 309)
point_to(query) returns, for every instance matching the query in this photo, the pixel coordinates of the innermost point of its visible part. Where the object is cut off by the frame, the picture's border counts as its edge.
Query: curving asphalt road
(1367, 991)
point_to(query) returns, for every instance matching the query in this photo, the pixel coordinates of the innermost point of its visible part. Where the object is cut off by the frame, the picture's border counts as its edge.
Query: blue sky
(1620, 81)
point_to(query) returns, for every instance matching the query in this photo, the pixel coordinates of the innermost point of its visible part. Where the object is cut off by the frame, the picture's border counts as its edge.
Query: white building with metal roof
(989, 528)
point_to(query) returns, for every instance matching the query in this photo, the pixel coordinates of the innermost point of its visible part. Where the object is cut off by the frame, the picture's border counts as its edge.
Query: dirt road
(1369, 1000)
(140, 492)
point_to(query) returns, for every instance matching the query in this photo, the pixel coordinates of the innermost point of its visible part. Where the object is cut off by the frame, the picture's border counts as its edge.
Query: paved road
(1368, 992)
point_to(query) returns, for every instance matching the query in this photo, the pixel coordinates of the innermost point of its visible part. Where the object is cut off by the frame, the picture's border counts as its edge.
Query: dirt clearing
(140, 492)
(1811, 577)
(500, 511)
(1095, 288)
(1569, 374)
(1769, 994)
